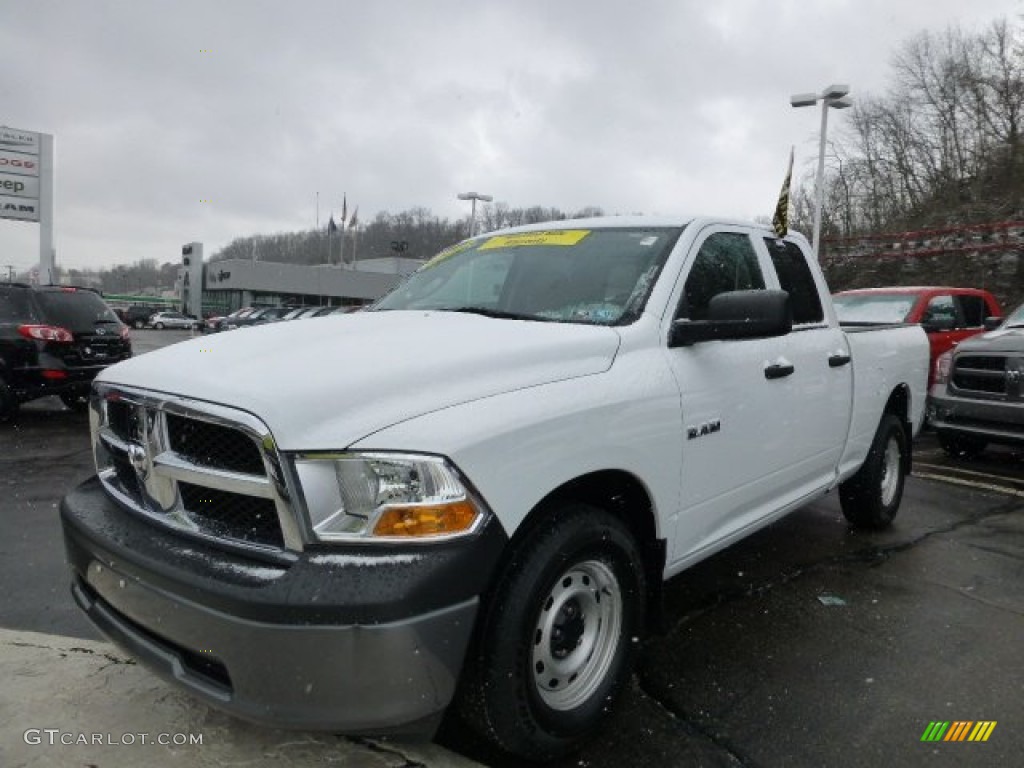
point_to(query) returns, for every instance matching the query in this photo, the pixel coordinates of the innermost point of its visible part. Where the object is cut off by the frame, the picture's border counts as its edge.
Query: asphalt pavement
(807, 644)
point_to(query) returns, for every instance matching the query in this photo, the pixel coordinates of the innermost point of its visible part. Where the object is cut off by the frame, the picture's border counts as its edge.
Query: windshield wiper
(97, 322)
(496, 313)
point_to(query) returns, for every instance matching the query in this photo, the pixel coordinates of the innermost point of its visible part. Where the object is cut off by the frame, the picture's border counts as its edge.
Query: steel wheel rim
(576, 636)
(890, 471)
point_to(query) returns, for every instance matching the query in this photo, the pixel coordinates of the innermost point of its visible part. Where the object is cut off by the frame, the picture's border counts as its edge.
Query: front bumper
(994, 420)
(356, 641)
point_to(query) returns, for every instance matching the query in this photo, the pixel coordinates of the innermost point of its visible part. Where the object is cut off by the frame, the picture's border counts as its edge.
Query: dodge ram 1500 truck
(470, 494)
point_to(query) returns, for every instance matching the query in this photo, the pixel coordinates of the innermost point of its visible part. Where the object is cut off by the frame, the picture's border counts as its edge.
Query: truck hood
(323, 383)
(999, 340)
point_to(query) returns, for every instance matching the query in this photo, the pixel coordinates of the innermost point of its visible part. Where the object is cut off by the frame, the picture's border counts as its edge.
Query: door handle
(838, 360)
(778, 370)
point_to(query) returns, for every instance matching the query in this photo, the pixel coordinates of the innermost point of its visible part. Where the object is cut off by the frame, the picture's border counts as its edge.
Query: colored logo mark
(958, 730)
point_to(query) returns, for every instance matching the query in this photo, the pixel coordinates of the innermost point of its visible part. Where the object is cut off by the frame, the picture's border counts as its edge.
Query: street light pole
(474, 196)
(835, 97)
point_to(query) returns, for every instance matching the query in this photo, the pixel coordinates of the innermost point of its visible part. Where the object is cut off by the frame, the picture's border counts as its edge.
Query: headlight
(384, 495)
(942, 366)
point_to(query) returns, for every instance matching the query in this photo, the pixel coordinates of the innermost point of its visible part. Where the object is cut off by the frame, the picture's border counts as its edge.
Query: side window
(941, 309)
(796, 279)
(726, 262)
(973, 310)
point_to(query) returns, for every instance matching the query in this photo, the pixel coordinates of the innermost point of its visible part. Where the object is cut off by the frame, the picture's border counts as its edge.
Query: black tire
(79, 403)
(555, 641)
(159, 326)
(139, 324)
(961, 446)
(871, 498)
(8, 403)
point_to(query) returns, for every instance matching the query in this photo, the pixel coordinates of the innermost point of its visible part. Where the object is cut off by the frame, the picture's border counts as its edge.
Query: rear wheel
(139, 324)
(961, 446)
(556, 639)
(871, 498)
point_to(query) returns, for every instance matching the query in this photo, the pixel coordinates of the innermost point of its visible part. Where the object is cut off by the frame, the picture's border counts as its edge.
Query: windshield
(874, 307)
(589, 276)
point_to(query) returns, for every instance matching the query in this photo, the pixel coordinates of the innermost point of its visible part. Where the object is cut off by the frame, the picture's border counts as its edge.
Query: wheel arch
(621, 494)
(899, 405)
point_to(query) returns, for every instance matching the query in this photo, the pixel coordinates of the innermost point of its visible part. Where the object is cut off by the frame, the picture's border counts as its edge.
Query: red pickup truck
(948, 315)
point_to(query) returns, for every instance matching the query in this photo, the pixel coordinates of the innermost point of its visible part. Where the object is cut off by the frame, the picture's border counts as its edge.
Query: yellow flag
(780, 221)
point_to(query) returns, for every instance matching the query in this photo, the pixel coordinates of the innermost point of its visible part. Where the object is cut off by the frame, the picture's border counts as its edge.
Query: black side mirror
(937, 324)
(991, 323)
(737, 315)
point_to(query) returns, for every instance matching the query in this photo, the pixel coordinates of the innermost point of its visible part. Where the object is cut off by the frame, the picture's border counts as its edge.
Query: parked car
(161, 320)
(216, 322)
(53, 341)
(471, 493)
(137, 315)
(259, 316)
(977, 396)
(948, 315)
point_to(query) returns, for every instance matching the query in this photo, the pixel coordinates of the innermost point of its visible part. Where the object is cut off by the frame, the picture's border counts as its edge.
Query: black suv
(53, 341)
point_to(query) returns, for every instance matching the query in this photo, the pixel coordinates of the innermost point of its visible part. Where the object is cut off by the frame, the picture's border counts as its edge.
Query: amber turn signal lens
(427, 520)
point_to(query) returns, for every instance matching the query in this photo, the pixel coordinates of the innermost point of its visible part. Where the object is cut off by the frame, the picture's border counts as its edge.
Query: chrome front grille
(206, 469)
(988, 377)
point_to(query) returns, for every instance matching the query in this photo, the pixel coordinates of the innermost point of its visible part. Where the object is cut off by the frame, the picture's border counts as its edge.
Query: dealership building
(234, 283)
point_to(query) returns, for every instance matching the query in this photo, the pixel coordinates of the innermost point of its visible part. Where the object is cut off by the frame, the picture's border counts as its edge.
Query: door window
(796, 279)
(726, 262)
(941, 311)
(974, 311)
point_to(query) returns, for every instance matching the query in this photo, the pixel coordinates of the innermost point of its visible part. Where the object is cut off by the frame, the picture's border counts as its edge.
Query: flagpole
(344, 228)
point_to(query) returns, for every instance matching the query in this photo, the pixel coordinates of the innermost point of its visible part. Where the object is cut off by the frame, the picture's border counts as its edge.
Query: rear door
(822, 379)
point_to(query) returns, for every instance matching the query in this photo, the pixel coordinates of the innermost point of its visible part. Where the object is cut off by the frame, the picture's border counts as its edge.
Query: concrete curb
(66, 701)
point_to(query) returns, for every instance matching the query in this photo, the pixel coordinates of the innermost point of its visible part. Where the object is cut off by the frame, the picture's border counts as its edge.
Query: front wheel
(159, 326)
(139, 325)
(556, 639)
(871, 498)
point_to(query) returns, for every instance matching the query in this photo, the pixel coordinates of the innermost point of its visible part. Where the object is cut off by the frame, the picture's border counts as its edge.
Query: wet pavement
(807, 644)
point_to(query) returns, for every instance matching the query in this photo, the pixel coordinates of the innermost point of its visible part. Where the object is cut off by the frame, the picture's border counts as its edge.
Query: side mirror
(938, 324)
(991, 323)
(737, 315)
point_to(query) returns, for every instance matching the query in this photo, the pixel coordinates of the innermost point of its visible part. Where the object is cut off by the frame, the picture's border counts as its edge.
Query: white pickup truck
(471, 494)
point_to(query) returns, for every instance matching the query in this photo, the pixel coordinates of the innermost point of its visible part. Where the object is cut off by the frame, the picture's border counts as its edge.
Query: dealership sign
(19, 141)
(19, 164)
(21, 161)
(19, 186)
(19, 208)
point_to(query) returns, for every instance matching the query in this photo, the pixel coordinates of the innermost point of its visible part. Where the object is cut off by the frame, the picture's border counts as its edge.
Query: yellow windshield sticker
(555, 237)
(448, 253)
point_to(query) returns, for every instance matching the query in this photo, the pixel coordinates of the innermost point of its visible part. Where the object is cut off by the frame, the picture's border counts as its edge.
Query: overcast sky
(655, 107)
